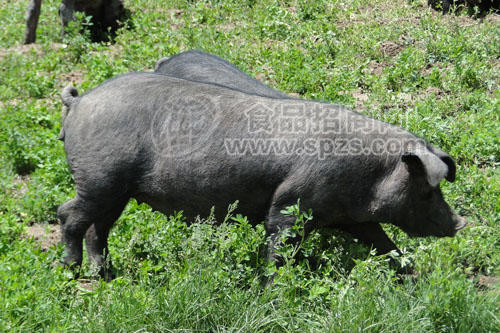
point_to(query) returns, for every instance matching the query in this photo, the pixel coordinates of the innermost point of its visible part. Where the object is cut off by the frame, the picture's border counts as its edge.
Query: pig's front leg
(276, 224)
(371, 235)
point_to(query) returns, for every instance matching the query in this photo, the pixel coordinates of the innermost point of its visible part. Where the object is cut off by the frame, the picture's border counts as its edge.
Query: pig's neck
(389, 193)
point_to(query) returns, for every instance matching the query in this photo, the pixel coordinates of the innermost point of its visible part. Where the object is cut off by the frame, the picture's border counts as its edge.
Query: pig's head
(410, 197)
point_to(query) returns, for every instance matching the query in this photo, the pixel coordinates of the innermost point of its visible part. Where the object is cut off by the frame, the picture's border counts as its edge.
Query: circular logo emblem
(183, 125)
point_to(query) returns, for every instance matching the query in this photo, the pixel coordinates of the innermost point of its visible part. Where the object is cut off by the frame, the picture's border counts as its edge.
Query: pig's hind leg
(96, 241)
(76, 216)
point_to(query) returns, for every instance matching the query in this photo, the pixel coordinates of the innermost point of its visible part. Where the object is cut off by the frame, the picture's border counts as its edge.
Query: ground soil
(47, 235)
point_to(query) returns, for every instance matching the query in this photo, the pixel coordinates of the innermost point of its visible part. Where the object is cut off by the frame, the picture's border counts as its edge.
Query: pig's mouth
(460, 223)
(437, 228)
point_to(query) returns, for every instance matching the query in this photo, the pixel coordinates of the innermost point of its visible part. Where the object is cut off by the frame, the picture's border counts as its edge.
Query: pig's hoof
(107, 275)
(399, 269)
(407, 270)
(74, 269)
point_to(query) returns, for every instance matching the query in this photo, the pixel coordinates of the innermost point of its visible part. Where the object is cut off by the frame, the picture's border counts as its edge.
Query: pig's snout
(460, 223)
(457, 223)
(454, 223)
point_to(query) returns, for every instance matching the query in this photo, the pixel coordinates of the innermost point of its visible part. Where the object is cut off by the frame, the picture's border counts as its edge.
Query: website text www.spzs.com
(319, 147)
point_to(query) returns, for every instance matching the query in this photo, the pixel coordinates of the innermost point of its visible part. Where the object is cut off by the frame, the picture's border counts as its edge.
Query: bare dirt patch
(262, 77)
(405, 98)
(225, 27)
(390, 49)
(176, 21)
(361, 98)
(175, 12)
(55, 46)
(11, 102)
(382, 14)
(375, 67)
(493, 18)
(292, 9)
(88, 285)
(75, 77)
(486, 282)
(438, 93)
(47, 235)
(343, 24)
(460, 20)
(21, 49)
(272, 44)
(20, 186)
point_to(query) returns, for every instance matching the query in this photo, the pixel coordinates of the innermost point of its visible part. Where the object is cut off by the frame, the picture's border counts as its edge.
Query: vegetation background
(401, 62)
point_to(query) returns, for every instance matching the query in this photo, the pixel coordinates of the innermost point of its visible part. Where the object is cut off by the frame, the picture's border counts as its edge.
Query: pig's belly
(255, 207)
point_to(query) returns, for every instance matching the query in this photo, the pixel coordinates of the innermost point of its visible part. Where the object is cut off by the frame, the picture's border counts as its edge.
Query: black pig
(183, 145)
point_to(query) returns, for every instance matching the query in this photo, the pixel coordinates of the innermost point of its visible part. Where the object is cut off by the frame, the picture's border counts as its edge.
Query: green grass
(436, 75)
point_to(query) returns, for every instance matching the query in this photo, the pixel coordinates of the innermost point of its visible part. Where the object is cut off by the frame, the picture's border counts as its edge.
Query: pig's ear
(425, 163)
(448, 160)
